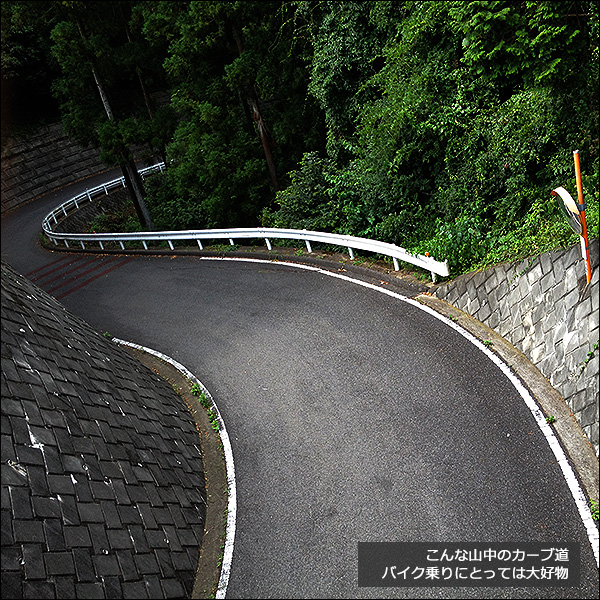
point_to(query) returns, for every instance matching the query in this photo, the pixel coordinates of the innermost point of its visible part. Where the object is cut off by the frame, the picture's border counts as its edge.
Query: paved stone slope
(103, 490)
(544, 308)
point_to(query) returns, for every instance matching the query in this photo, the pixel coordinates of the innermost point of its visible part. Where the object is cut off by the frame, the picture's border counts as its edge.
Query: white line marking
(568, 473)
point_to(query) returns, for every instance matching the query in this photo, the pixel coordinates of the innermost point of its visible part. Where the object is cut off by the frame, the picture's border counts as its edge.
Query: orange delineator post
(582, 214)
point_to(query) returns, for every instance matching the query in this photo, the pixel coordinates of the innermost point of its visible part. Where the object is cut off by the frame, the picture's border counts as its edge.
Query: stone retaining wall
(103, 486)
(42, 163)
(544, 308)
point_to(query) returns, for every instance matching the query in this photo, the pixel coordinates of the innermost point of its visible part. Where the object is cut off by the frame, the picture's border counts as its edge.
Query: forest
(439, 126)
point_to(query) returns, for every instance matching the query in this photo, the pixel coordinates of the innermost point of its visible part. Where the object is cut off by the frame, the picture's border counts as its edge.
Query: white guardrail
(347, 241)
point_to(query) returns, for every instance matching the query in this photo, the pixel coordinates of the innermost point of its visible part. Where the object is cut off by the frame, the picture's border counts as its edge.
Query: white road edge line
(568, 473)
(229, 466)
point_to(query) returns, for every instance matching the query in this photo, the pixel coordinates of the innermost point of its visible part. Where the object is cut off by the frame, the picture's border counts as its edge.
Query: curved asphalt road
(353, 416)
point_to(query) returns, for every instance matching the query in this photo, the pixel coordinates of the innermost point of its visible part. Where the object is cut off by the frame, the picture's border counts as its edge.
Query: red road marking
(84, 283)
(89, 262)
(58, 260)
(79, 275)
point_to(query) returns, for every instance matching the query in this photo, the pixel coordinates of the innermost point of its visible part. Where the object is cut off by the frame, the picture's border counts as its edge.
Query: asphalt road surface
(354, 415)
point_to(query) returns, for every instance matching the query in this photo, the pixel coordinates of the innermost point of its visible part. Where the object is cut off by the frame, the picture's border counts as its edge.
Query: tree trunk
(252, 100)
(132, 179)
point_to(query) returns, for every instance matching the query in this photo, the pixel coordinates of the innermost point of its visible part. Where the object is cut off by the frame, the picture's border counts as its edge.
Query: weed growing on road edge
(487, 343)
(108, 335)
(594, 509)
(550, 419)
(196, 390)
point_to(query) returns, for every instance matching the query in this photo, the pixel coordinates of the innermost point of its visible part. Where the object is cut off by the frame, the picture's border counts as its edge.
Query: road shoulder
(572, 437)
(211, 552)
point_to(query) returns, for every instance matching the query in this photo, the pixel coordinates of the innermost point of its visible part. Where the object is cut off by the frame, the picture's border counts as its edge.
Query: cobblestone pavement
(103, 489)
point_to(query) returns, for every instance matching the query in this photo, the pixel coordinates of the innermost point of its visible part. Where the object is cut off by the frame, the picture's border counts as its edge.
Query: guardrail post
(308, 246)
(101, 245)
(268, 243)
(231, 242)
(145, 245)
(351, 253)
(171, 244)
(122, 245)
(82, 244)
(200, 244)
(396, 265)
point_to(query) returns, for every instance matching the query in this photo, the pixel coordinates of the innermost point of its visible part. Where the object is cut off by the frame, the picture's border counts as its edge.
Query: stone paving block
(181, 561)
(138, 537)
(152, 584)
(119, 539)
(38, 590)
(77, 536)
(37, 480)
(10, 558)
(106, 565)
(112, 587)
(59, 563)
(112, 519)
(84, 569)
(156, 538)
(147, 563)
(177, 516)
(89, 591)
(167, 494)
(13, 475)
(83, 492)
(163, 556)
(21, 502)
(54, 535)
(33, 561)
(90, 512)
(65, 587)
(99, 540)
(188, 538)
(46, 507)
(68, 507)
(134, 590)
(172, 588)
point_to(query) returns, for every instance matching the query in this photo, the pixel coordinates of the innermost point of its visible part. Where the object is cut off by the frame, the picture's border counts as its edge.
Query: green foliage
(437, 126)
(307, 203)
(594, 509)
(462, 243)
(122, 220)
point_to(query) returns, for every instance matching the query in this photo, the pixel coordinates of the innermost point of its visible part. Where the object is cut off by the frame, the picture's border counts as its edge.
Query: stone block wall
(544, 308)
(42, 163)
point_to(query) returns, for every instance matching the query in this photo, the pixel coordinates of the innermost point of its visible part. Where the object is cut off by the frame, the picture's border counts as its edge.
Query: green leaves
(438, 126)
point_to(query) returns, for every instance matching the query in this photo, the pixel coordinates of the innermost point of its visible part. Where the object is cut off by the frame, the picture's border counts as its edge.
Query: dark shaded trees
(439, 126)
(239, 88)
